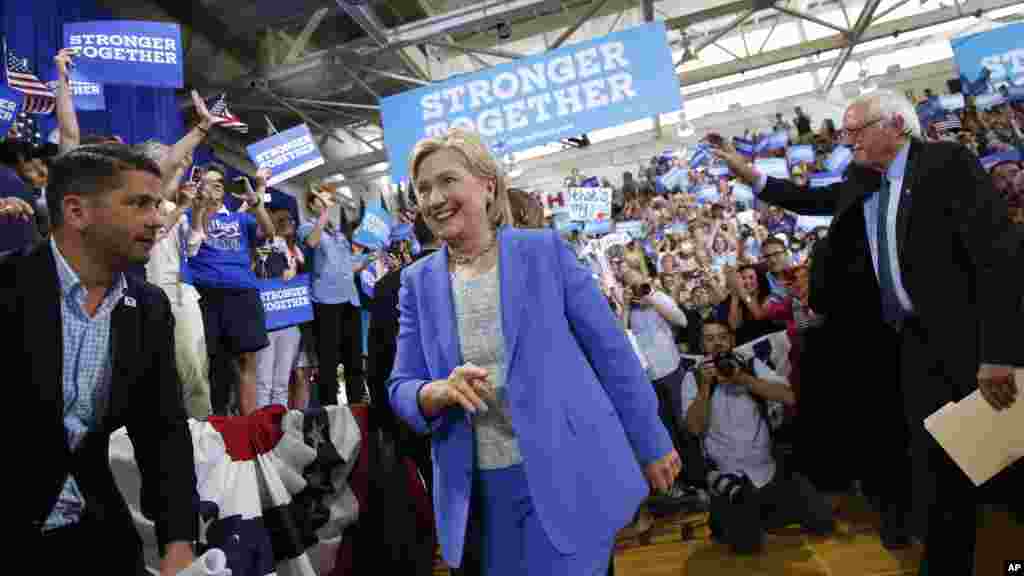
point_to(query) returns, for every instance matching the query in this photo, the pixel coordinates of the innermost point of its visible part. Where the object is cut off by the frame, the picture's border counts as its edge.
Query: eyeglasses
(849, 134)
(768, 256)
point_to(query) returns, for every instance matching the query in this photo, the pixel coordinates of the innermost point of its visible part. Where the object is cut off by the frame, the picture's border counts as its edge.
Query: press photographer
(732, 404)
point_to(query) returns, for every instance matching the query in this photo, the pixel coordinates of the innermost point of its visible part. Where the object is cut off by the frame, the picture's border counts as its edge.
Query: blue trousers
(504, 536)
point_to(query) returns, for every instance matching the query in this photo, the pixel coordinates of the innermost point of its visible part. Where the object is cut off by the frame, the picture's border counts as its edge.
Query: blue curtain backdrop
(34, 30)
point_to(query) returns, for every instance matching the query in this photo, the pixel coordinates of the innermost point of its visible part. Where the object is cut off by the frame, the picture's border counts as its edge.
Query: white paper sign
(590, 204)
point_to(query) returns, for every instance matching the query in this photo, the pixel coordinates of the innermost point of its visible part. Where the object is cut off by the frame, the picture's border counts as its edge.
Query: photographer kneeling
(731, 404)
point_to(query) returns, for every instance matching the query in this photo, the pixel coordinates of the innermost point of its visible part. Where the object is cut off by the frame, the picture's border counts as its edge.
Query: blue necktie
(892, 310)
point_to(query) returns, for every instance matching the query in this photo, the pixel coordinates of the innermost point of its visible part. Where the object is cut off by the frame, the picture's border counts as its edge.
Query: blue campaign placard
(822, 179)
(374, 231)
(635, 229)
(989, 161)
(839, 159)
(808, 223)
(608, 81)
(87, 96)
(775, 141)
(10, 101)
(801, 153)
(129, 52)
(286, 303)
(775, 167)
(287, 154)
(990, 60)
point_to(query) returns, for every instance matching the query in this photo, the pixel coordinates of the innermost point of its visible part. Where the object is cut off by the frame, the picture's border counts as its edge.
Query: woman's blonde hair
(477, 159)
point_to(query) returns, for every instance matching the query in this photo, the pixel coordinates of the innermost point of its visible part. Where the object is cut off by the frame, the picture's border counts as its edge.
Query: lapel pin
(129, 301)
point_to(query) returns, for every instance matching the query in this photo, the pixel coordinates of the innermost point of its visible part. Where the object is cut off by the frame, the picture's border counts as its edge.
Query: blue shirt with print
(224, 260)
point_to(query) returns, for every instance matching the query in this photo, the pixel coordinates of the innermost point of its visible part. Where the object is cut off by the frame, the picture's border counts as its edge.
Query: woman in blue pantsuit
(543, 422)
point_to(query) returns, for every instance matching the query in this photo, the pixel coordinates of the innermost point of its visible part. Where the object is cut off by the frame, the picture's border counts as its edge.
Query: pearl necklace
(467, 260)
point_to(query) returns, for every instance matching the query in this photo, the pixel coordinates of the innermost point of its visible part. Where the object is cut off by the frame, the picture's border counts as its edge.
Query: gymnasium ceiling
(326, 62)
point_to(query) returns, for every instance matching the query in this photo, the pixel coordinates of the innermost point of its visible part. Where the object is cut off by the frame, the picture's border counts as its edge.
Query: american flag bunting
(39, 98)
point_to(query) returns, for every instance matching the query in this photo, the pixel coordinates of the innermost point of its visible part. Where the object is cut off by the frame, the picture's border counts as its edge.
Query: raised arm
(67, 119)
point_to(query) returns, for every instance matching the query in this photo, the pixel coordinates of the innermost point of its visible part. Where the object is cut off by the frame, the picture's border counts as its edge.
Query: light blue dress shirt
(87, 372)
(895, 178)
(333, 279)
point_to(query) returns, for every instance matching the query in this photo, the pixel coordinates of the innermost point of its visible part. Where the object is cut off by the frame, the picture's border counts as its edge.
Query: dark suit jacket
(957, 255)
(145, 396)
(382, 337)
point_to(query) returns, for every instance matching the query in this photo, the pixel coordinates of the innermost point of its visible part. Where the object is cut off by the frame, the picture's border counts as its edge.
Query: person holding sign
(544, 422)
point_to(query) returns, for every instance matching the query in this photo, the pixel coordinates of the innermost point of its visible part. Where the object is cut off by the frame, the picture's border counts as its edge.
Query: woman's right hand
(464, 387)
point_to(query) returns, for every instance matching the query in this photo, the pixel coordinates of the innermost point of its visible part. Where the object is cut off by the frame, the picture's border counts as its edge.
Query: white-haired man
(922, 253)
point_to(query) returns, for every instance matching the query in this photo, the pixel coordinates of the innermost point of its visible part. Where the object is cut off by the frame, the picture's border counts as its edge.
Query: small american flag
(225, 119)
(950, 122)
(39, 99)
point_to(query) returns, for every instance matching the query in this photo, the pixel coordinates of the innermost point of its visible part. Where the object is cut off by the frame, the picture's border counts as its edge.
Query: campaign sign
(127, 52)
(10, 101)
(774, 167)
(989, 101)
(86, 96)
(989, 161)
(990, 60)
(597, 228)
(607, 81)
(287, 154)
(839, 159)
(800, 154)
(375, 230)
(286, 303)
(589, 204)
(808, 223)
(823, 179)
(774, 141)
(635, 229)
(952, 102)
(708, 193)
(556, 202)
(742, 193)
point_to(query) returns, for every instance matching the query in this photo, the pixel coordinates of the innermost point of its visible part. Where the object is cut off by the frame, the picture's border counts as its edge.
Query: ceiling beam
(810, 18)
(838, 41)
(474, 18)
(809, 67)
(300, 43)
(367, 19)
(496, 52)
(594, 8)
(393, 76)
(855, 35)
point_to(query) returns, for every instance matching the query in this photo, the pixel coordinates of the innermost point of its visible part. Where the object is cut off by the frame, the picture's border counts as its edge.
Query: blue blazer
(584, 411)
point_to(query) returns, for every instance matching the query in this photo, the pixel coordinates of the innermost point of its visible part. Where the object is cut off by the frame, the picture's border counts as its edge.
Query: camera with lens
(735, 488)
(644, 290)
(727, 363)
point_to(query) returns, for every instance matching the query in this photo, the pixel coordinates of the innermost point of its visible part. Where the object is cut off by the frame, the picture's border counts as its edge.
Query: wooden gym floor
(681, 545)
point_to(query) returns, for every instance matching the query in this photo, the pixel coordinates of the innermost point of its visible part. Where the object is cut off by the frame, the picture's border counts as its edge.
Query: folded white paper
(980, 439)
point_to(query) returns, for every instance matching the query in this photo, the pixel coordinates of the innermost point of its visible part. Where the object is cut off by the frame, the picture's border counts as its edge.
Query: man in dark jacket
(95, 347)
